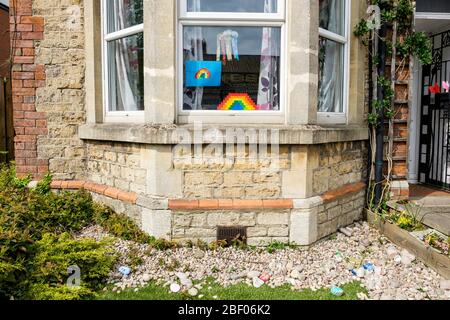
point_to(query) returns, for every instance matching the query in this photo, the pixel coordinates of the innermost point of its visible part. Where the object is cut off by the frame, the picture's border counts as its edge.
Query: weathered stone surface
(344, 165)
(223, 219)
(303, 227)
(273, 218)
(256, 232)
(157, 223)
(152, 203)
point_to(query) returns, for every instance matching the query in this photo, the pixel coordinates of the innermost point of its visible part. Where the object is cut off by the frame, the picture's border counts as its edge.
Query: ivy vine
(408, 43)
(401, 42)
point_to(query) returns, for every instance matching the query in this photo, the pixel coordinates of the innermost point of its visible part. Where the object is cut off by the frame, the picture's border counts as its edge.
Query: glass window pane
(126, 73)
(251, 6)
(123, 14)
(331, 76)
(231, 68)
(332, 15)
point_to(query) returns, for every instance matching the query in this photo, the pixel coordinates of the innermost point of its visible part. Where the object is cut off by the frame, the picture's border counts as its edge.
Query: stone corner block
(308, 203)
(303, 227)
(152, 203)
(157, 223)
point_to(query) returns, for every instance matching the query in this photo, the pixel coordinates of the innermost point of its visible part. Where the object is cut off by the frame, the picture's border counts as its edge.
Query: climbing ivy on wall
(401, 42)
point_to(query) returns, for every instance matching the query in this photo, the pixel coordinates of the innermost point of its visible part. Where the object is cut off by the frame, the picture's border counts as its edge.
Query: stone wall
(243, 175)
(117, 165)
(61, 97)
(263, 227)
(340, 164)
(133, 211)
(340, 213)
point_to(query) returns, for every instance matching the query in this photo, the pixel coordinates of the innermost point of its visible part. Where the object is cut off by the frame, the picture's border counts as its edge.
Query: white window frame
(115, 116)
(340, 117)
(220, 19)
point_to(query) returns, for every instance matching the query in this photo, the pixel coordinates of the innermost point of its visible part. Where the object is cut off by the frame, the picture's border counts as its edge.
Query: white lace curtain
(268, 76)
(330, 60)
(127, 84)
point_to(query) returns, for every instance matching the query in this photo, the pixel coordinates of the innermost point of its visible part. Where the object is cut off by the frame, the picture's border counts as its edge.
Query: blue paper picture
(203, 73)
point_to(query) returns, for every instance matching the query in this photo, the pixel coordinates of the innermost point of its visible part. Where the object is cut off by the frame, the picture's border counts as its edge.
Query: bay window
(230, 57)
(333, 60)
(123, 58)
(230, 66)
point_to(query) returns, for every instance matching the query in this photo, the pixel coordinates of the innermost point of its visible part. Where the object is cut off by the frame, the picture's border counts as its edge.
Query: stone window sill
(167, 134)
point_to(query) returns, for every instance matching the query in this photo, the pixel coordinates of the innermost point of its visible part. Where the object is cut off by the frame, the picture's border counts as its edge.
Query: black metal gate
(434, 159)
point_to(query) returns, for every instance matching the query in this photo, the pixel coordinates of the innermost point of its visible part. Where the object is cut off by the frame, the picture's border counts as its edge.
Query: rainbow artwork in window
(238, 102)
(203, 73)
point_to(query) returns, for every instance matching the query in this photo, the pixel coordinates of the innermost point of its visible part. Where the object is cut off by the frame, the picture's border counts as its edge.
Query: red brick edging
(206, 204)
(343, 191)
(110, 192)
(230, 204)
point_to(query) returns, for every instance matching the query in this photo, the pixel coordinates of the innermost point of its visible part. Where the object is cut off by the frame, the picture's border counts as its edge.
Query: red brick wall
(4, 43)
(29, 124)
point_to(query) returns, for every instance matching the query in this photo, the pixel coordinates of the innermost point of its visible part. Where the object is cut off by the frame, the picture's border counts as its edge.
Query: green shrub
(36, 246)
(119, 225)
(25, 216)
(39, 291)
(9, 179)
(56, 253)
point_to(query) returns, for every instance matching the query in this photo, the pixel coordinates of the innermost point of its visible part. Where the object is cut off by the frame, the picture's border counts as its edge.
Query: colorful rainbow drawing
(203, 73)
(238, 102)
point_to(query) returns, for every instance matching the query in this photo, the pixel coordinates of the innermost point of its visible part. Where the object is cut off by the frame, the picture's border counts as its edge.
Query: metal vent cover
(232, 233)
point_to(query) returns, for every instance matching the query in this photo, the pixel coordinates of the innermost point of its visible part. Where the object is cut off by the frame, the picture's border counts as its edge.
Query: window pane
(252, 6)
(331, 76)
(332, 15)
(126, 73)
(123, 14)
(231, 68)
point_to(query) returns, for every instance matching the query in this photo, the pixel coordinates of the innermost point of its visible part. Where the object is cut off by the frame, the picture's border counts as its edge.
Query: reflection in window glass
(231, 68)
(251, 6)
(331, 59)
(123, 14)
(332, 15)
(126, 73)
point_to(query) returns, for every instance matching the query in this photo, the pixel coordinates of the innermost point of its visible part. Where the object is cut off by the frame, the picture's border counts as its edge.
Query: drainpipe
(380, 127)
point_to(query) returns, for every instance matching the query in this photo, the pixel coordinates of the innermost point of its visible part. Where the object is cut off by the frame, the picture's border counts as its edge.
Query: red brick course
(27, 76)
(205, 204)
(333, 195)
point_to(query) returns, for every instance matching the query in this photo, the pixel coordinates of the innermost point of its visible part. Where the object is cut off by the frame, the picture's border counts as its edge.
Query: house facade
(194, 116)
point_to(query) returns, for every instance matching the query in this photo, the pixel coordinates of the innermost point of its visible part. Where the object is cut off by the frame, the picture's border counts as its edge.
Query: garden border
(435, 260)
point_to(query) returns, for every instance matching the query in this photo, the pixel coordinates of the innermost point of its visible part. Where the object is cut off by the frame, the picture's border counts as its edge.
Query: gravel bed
(391, 273)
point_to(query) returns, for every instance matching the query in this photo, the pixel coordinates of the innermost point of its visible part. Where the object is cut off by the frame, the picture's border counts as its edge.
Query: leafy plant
(119, 225)
(278, 245)
(35, 242)
(54, 254)
(410, 218)
(438, 242)
(134, 258)
(43, 186)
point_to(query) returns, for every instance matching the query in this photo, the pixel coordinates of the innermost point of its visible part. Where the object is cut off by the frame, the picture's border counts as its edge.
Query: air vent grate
(230, 234)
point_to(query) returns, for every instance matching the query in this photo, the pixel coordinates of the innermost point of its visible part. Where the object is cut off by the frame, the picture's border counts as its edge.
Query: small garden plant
(438, 242)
